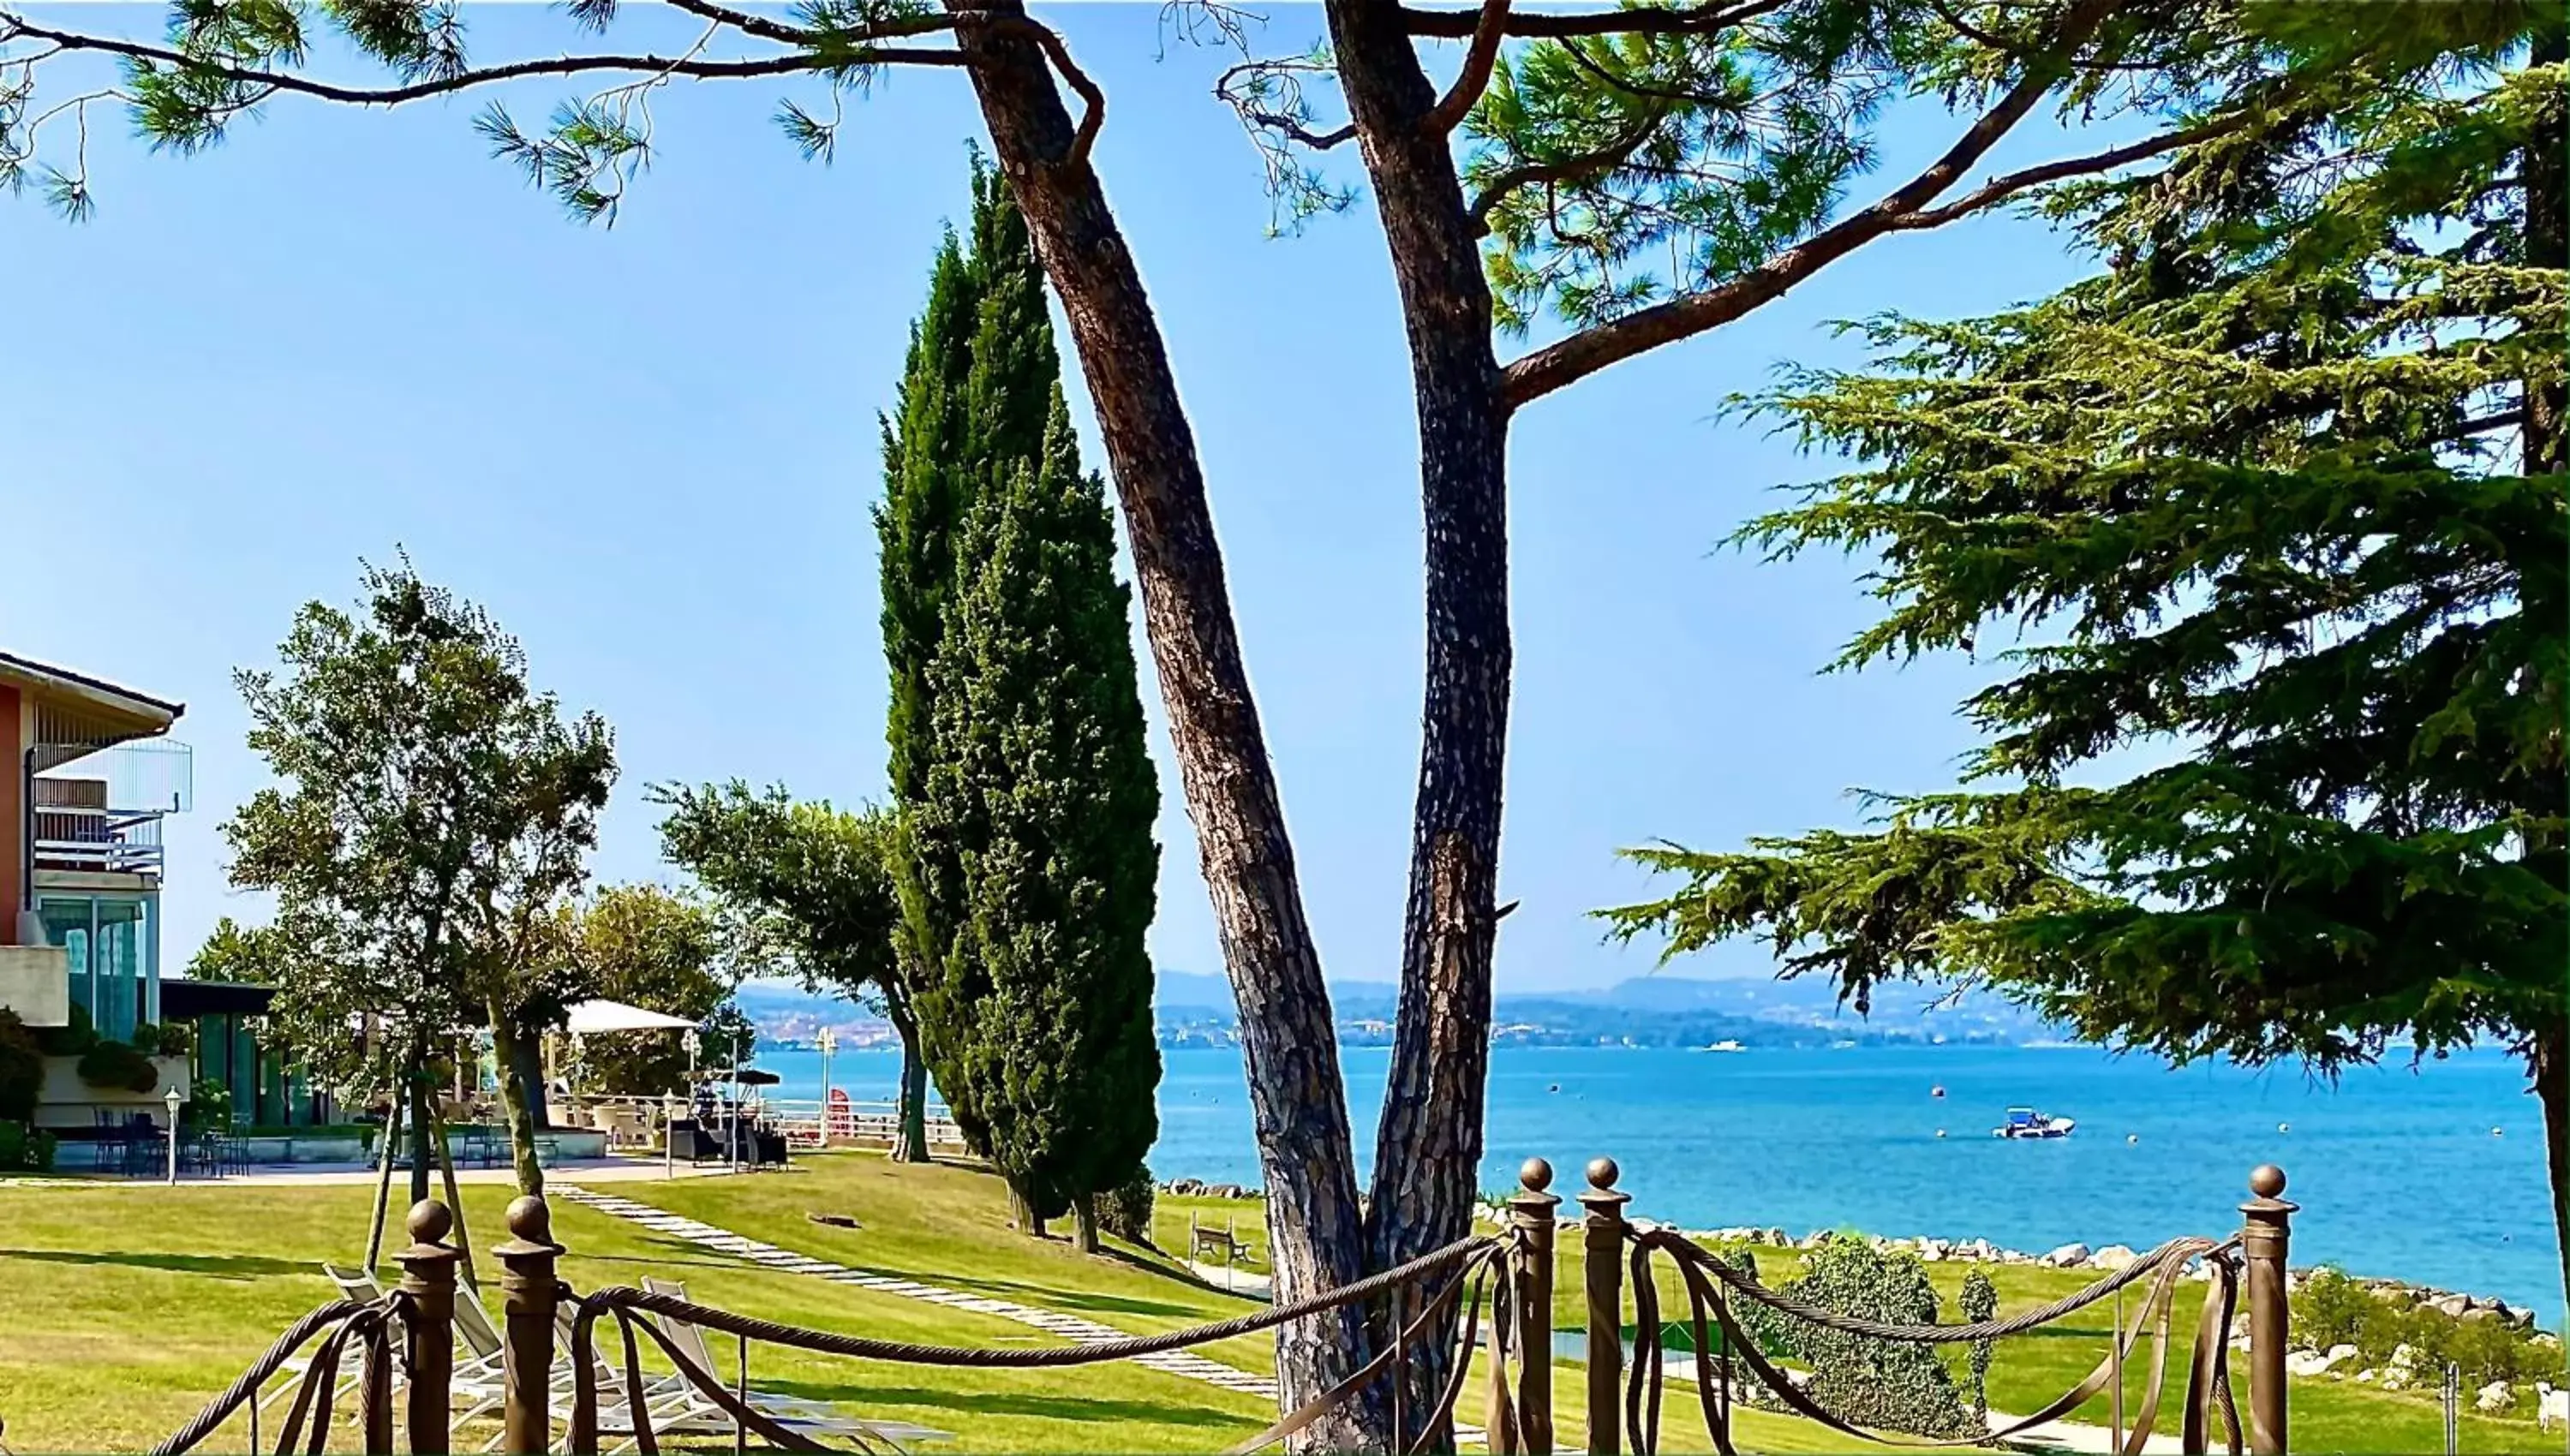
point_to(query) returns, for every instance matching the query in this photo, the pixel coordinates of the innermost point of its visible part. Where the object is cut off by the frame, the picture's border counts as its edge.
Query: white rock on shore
(2068, 1256)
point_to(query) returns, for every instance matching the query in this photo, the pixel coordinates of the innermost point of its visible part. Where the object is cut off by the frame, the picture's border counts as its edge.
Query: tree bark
(455, 1205)
(392, 1131)
(2547, 1060)
(415, 1088)
(910, 1131)
(1429, 1147)
(1298, 1101)
(1022, 1212)
(520, 1097)
(1084, 1221)
(2547, 243)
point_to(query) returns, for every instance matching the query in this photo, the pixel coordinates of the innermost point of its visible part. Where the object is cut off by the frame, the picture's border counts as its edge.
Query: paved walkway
(1073, 1328)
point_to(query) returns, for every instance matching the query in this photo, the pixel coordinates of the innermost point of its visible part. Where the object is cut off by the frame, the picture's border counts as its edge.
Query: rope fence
(1414, 1365)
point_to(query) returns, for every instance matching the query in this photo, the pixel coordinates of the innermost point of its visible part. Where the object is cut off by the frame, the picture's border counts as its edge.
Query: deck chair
(676, 1407)
(477, 1365)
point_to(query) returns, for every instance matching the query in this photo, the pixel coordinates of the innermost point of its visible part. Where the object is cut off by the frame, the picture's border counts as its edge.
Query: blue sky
(651, 452)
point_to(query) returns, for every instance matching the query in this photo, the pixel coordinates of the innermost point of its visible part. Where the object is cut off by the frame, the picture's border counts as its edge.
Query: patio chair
(477, 1364)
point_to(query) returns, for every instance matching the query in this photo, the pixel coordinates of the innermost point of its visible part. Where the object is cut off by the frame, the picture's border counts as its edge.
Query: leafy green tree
(433, 814)
(814, 884)
(1647, 172)
(2277, 510)
(1031, 837)
(647, 948)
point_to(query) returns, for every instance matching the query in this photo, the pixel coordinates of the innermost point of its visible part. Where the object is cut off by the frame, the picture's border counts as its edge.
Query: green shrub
(1126, 1209)
(22, 1068)
(2332, 1309)
(72, 1039)
(117, 1064)
(167, 1039)
(24, 1149)
(1873, 1382)
(1979, 1300)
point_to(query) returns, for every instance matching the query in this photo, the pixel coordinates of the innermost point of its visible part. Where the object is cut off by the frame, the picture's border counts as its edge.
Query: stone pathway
(1183, 1363)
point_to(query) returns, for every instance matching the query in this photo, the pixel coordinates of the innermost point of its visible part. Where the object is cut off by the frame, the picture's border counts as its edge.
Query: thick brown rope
(975, 1358)
(2209, 1381)
(1336, 1395)
(2177, 1252)
(221, 1408)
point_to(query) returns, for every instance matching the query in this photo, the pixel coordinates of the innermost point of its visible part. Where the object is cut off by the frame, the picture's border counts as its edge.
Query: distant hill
(1657, 1010)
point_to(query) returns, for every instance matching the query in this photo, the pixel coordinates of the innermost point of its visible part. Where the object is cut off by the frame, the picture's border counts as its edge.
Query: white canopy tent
(590, 1017)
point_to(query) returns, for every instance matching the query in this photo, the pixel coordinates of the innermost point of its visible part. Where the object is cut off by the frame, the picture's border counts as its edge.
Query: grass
(124, 1306)
(2029, 1371)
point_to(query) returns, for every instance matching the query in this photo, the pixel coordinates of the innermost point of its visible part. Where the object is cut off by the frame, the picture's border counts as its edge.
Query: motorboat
(2025, 1122)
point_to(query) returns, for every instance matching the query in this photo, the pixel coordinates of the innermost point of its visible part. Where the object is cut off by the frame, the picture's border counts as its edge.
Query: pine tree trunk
(2547, 1062)
(1298, 1100)
(910, 1132)
(2547, 243)
(1429, 1147)
(518, 1097)
(1084, 1221)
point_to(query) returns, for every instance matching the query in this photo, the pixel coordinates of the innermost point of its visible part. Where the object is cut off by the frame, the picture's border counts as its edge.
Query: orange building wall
(13, 815)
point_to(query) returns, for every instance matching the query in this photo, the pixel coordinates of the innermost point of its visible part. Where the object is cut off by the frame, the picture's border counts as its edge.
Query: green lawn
(123, 1307)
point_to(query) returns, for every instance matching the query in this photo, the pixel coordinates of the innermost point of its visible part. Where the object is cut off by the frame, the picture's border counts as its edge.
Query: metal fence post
(1602, 1260)
(528, 1290)
(428, 1278)
(1531, 1213)
(2263, 1244)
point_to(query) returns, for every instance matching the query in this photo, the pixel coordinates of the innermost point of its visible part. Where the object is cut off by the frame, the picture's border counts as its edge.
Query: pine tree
(1028, 796)
(2277, 500)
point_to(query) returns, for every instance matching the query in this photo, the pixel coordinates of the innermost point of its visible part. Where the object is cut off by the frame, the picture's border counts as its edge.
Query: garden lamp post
(171, 1099)
(828, 1042)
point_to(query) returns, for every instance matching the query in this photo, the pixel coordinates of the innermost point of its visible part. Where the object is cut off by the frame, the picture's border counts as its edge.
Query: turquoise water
(2398, 1172)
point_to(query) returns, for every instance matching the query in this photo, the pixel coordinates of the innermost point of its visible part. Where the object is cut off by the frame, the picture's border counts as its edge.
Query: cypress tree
(1027, 794)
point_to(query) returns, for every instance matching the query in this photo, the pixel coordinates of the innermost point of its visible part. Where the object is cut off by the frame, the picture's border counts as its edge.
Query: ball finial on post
(1536, 1174)
(2266, 1180)
(429, 1222)
(1602, 1174)
(531, 1219)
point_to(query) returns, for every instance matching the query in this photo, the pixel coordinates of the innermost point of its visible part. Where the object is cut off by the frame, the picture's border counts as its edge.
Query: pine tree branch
(1999, 189)
(1569, 169)
(14, 27)
(1284, 123)
(1474, 78)
(1597, 347)
(1674, 20)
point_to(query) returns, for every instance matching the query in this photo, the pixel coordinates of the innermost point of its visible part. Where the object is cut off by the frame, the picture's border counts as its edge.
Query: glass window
(67, 923)
(116, 958)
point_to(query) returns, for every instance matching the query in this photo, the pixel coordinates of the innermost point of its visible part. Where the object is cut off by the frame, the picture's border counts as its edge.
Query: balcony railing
(98, 841)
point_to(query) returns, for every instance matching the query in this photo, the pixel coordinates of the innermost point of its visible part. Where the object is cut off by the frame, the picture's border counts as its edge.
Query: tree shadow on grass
(217, 1265)
(867, 1396)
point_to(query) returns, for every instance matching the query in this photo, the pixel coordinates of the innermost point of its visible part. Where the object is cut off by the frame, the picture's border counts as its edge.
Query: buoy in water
(1941, 1132)
(1555, 1087)
(1936, 1091)
(2284, 1127)
(2498, 1132)
(2131, 1137)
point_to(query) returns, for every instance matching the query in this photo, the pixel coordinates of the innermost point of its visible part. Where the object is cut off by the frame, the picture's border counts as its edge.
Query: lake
(2399, 1172)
